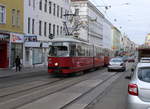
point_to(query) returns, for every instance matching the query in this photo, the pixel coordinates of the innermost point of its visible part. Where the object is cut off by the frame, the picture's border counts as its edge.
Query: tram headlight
(56, 64)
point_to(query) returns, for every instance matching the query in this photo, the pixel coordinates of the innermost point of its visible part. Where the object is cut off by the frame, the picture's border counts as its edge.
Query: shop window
(27, 55)
(37, 56)
(16, 50)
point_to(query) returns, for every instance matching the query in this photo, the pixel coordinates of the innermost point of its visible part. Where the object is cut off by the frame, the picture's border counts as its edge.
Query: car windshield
(144, 74)
(59, 50)
(116, 60)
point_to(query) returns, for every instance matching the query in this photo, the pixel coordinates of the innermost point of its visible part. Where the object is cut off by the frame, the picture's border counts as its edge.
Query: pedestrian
(18, 63)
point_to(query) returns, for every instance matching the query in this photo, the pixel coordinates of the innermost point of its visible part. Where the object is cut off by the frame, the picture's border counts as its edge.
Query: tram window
(73, 50)
(59, 51)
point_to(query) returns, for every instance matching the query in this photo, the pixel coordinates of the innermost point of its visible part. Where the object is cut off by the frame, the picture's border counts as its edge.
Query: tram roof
(67, 39)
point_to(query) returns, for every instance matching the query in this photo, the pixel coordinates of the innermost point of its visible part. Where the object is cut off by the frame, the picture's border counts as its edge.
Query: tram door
(3, 55)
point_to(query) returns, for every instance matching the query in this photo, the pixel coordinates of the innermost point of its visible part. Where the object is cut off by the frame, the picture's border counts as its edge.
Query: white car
(117, 64)
(139, 87)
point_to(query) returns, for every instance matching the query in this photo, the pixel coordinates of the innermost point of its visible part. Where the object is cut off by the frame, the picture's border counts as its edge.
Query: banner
(16, 38)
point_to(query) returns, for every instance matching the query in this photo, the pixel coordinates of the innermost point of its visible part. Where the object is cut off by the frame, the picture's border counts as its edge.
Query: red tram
(67, 55)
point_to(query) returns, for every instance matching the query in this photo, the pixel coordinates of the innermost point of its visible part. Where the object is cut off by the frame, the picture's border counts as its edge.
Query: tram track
(4, 92)
(65, 97)
(12, 100)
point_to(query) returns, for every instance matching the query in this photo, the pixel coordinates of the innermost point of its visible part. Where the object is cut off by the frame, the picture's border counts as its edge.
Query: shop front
(34, 51)
(17, 41)
(4, 50)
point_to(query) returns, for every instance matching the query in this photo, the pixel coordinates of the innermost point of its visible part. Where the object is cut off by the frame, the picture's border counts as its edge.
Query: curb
(28, 74)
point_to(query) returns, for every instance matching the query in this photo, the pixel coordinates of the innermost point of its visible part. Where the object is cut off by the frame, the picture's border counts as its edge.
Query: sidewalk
(5, 73)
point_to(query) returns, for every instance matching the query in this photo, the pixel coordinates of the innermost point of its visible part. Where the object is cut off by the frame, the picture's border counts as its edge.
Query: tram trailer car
(70, 56)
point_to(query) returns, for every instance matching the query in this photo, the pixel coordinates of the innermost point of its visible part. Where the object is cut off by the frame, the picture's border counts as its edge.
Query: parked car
(125, 58)
(139, 87)
(131, 59)
(117, 64)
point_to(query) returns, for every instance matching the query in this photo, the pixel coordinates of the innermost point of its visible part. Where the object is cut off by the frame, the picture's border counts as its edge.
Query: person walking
(18, 63)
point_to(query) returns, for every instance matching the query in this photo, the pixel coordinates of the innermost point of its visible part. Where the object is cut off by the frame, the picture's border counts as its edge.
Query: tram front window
(59, 51)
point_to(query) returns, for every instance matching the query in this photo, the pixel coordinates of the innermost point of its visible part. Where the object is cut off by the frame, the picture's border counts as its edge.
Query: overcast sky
(134, 19)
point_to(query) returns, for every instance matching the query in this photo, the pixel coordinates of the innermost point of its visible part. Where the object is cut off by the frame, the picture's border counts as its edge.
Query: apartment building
(43, 20)
(11, 32)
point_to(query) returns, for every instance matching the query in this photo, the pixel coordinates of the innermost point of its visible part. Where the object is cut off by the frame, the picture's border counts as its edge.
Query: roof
(66, 39)
(143, 65)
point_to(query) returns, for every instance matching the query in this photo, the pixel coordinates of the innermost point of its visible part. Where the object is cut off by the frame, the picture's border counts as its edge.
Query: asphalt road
(115, 97)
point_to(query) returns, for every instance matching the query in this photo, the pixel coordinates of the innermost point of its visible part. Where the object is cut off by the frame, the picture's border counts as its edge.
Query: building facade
(128, 46)
(147, 40)
(11, 32)
(107, 34)
(91, 21)
(116, 40)
(43, 20)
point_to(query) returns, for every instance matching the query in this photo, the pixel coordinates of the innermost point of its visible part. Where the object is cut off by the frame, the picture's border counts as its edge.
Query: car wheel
(108, 70)
(124, 69)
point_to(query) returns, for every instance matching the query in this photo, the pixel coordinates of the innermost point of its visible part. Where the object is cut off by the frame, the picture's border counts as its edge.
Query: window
(57, 11)
(45, 8)
(59, 49)
(33, 4)
(33, 22)
(61, 30)
(54, 9)
(2, 14)
(61, 13)
(45, 27)
(29, 2)
(144, 74)
(49, 28)
(57, 30)
(18, 18)
(54, 29)
(76, 11)
(40, 5)
(50, 7)
(65, 13)
(13, 17)
(40, 27)
(29, 25)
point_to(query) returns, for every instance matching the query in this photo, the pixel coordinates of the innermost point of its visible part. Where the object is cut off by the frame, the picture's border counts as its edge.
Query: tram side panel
(98, 57)
(60, 65)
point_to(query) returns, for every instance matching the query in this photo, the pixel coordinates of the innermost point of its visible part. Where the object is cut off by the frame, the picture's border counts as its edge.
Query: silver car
(139, 87)
(117, 64)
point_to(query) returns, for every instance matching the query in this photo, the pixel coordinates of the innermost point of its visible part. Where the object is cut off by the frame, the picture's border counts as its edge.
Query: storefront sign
(30, 38)
(32, 44)
(17, 38)
(4, 37)
(45, 45)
